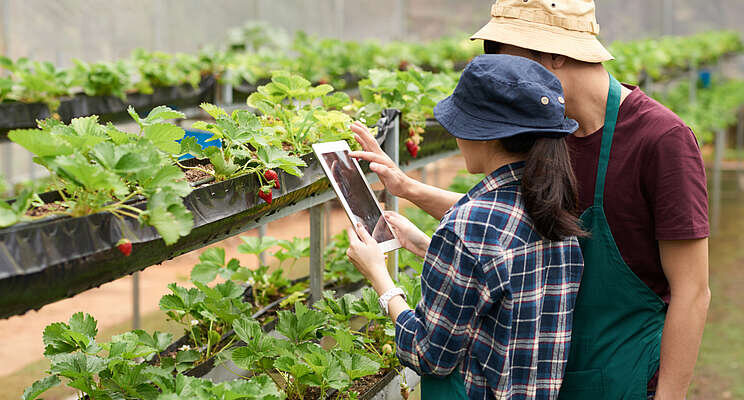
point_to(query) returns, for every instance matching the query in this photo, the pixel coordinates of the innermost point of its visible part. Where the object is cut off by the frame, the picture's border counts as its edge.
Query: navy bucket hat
(499, 96)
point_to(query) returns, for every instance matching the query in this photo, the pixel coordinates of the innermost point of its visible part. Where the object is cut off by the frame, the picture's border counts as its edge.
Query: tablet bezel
(331, 147)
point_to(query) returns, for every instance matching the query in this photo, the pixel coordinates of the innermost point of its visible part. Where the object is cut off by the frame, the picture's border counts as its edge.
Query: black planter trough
(54, 258)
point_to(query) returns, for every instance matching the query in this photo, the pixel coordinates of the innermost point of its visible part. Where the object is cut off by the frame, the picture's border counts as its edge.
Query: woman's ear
(557, 61)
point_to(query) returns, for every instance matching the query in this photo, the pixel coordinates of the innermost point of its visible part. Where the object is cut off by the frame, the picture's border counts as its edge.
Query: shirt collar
(506, 175)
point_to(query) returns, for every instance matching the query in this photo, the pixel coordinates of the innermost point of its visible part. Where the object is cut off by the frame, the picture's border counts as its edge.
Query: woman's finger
(371, 157)
(364, 236)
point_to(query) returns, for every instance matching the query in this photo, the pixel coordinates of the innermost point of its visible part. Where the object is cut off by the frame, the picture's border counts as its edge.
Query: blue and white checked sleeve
(433, 339)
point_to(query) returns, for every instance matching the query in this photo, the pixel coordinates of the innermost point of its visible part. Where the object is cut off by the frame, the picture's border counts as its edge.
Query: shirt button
(561, 100)
(544, 100)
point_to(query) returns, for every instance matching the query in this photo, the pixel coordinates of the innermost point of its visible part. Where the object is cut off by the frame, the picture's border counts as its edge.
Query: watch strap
(387, 296)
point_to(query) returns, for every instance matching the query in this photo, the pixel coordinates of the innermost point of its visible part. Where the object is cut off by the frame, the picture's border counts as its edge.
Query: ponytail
(548, 185)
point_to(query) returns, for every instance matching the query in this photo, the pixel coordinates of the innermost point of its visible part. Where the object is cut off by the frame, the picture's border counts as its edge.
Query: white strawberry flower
(185, 348)
(194, 322)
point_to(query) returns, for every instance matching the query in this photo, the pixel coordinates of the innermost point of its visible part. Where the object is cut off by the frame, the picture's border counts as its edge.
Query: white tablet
(354, 192)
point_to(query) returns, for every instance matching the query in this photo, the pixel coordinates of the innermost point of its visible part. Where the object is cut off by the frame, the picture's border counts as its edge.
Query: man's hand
(396, 181)
(408, 234)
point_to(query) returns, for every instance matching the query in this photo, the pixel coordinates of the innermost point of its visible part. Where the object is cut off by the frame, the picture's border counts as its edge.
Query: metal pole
(135, 301)
(720, 148)
(392, 148)
(225, 90)
(740, 131)
(316, 253)
(5, 40)
(261, 234)
(8, 165)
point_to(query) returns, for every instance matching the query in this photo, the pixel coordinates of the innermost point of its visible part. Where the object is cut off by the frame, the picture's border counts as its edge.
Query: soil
(196, 175)
(362, 385)
(45, 209)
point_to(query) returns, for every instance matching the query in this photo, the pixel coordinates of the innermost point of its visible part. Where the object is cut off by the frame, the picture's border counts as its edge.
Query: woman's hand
(368, 258)
(396, 181)
(408, 234)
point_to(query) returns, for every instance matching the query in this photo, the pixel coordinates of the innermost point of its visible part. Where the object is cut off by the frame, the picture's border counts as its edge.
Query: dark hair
(491, 47)
(548, 185)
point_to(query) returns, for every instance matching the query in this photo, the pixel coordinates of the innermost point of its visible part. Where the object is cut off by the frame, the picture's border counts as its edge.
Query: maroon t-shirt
(655, 187)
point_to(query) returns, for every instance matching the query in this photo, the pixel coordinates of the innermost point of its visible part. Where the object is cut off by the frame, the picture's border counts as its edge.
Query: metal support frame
(740, 131)
(135, 301)
(261, 235)
(316, 252)
(391, 147)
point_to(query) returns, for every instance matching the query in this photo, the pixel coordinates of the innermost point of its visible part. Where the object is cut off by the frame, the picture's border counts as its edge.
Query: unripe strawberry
(411, 131)
(124, 246)
(266, 196)
(412, 148)
(387, 348)
(271, 175)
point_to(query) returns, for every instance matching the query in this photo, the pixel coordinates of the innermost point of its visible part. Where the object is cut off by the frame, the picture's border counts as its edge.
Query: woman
(502, 271)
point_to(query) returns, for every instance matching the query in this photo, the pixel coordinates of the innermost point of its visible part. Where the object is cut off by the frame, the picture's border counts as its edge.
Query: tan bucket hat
(566, 27)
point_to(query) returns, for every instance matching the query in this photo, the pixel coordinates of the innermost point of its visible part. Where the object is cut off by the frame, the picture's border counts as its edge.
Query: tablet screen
(359, 199)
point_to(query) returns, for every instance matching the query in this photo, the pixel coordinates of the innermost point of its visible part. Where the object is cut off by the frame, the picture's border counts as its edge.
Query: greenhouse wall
(96, 30)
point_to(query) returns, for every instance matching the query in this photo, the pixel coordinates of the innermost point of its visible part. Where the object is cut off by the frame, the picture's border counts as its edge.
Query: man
(644, 294)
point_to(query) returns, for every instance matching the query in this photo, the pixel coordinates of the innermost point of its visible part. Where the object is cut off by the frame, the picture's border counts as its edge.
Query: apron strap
(613, 105)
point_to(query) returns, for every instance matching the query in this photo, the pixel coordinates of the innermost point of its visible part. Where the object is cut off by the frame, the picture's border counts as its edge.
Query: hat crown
(575, 15)
(509, 89)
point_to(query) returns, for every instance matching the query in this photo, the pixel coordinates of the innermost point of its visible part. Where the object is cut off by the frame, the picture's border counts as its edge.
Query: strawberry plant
(114, 370)
(413, 92)
(35, 82)
(101, 79)
(247, 148)
(158, 69)
(300, 114)
(100, 168)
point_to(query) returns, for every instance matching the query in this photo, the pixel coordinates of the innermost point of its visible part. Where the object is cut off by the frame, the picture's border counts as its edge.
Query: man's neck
(588, 98)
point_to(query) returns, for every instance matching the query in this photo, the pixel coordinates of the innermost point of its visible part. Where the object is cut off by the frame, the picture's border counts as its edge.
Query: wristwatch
(385, 298)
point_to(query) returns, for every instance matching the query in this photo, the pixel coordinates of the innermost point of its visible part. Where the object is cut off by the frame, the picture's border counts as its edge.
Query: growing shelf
(55, 258)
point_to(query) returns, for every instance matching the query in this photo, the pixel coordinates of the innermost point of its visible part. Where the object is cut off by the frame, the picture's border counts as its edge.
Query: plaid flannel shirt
(497, 299)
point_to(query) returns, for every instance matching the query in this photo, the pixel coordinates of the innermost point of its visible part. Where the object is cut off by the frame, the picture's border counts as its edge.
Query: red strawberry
(266, 196)
(403, 66)
(322, 81)
(412, 147)
(124, 246)
(271, 175)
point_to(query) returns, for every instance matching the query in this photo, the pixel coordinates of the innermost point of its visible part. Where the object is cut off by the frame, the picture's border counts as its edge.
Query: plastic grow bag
(58, 257)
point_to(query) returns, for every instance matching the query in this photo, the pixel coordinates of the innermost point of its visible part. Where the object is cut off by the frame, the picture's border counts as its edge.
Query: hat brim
(465, 126)
(582, 46)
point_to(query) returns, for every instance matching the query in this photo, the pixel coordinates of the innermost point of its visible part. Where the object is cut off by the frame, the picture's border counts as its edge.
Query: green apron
(451, 387)
(616, 336)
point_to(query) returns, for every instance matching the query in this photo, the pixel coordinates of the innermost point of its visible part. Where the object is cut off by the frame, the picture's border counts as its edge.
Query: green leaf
(300, 325)
(256, 244)
(79, 171)
(190, 145)
(39, 387)
(272, 157)
(356, 365)
(39, 142)
(76, 365)
(162, 113)
(84, 323)
(368, 306)
(164, 137)
(213, 110)
(210, 263)
(166, 213)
